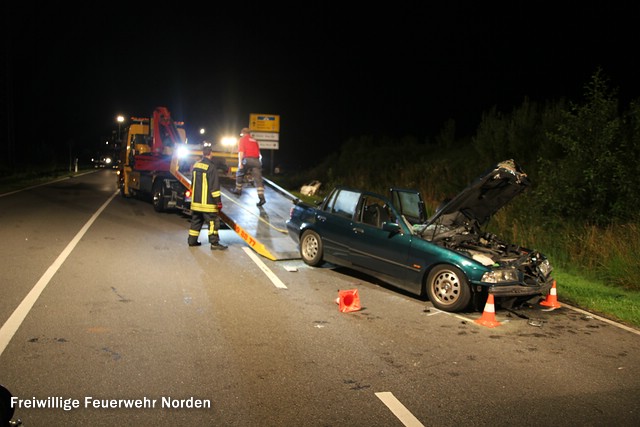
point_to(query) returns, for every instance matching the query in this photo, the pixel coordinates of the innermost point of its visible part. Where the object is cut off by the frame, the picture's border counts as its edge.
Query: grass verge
(611, 302)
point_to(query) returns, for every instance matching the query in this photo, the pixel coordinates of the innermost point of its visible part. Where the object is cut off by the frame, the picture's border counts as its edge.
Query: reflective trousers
(197, 221)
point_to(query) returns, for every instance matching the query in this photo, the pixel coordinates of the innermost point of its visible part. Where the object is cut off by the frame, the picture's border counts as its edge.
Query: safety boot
(261, 202)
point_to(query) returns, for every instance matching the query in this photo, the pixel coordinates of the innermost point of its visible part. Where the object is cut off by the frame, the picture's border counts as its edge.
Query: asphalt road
(104, 306)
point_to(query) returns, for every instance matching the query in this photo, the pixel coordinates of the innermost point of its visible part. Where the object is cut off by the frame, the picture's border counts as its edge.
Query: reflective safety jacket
(205, 186)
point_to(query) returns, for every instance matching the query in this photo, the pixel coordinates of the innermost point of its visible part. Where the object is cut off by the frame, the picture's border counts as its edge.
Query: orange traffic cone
(488, 318)
(348, 300)
(552, 298)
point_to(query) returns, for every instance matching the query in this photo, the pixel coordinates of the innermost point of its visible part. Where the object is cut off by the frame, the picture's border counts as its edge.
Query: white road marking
(44, 183)
(33, 186)
(398, 409)
(586, 313)
(270, 274)
(436, 311)
(602, 319)
(10, 327)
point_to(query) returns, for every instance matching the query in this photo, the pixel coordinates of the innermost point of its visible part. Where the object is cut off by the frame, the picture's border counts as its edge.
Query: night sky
(330, 72)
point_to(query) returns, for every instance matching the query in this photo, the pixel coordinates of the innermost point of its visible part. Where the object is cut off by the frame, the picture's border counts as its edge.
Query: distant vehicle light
(107, 160)
(229, 141)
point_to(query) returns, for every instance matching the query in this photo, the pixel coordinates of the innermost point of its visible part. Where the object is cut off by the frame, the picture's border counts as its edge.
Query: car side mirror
(391, 227)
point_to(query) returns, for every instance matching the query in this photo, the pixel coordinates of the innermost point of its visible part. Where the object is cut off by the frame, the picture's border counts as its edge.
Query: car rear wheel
(311, 248)
(448, 288)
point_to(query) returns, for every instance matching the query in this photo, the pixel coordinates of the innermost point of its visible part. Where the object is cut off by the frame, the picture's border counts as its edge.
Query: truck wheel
(448, 288)
(158, 197)
(121, 188)
(311, 248)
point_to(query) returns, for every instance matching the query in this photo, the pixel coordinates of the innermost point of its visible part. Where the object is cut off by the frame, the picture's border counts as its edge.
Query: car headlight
(500, 276)
(545, 267)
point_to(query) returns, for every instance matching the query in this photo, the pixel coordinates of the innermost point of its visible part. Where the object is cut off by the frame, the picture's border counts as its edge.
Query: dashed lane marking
(398, 409)
(270, 274)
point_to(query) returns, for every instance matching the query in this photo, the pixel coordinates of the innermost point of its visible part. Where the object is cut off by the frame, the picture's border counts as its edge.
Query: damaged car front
(513, 273)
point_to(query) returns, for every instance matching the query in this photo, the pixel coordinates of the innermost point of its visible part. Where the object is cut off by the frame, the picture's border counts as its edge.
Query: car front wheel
(311, 248)
(448, 288)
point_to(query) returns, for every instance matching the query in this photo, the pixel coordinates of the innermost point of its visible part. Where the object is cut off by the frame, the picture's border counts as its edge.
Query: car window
(375, 211)
(328, 206)
(345, 203)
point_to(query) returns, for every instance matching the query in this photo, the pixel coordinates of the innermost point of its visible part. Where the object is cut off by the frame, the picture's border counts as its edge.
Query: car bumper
(521, 290)
(293, 230)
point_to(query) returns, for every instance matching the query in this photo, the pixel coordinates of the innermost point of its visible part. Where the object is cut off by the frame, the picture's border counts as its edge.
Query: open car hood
(484, 196)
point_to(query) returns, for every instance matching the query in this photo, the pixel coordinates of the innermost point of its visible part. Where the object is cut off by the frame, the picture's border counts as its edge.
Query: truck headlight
(229, 141)
(182, 151)
(500, 276)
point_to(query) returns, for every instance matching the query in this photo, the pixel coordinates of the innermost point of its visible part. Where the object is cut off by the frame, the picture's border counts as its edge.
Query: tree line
(583, 157)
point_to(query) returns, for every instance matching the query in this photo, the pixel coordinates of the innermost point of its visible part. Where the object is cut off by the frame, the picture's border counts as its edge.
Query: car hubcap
(447, 287)
(310, 248)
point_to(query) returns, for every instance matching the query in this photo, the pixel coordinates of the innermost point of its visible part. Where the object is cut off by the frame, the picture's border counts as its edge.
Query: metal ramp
(262, 228)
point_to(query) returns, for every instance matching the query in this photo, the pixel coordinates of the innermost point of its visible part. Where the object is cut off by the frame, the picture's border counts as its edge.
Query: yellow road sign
(264, 122)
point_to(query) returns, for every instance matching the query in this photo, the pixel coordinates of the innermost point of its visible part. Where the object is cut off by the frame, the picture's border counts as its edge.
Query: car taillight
(187, 194)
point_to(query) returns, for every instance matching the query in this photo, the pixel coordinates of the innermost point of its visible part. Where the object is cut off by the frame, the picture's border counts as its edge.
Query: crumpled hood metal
(487, 194)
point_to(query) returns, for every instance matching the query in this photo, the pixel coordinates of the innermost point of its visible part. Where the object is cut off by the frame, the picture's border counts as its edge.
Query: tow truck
(155, 164)
(153, 152)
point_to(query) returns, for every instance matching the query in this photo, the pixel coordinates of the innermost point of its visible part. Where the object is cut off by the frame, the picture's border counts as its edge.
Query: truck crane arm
(165, 132)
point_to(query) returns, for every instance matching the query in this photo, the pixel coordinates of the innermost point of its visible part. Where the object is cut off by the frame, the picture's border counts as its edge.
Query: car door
(374, 247)
(335, 223)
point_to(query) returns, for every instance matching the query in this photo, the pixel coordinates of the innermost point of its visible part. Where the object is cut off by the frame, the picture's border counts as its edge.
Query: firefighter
(249, 161)
(205, 200)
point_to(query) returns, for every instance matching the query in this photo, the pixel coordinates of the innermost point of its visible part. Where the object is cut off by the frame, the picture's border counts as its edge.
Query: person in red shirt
(249, 161)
